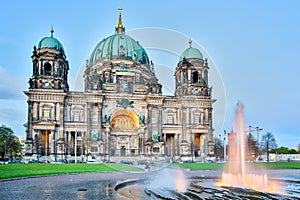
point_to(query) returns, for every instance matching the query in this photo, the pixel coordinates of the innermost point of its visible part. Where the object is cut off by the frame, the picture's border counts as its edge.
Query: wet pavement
(92, 185)
(61, 187)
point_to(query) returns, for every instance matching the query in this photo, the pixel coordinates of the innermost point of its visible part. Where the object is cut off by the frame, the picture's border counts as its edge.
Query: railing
(78, 151)
(45, 151)
(124, 152)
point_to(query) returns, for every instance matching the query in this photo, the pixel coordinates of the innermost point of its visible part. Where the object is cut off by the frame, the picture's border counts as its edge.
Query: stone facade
(122, 111)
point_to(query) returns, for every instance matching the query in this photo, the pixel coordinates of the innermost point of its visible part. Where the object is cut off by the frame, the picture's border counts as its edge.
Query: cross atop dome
(190, 42)
(51, 31)
(120, 28)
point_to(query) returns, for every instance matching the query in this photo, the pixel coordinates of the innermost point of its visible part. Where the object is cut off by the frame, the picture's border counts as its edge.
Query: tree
(299, 148)
(219, 148)
(252, 146)
(268, 142)
(292, 151)
(286, 150)
(283, 150)
(9, 143)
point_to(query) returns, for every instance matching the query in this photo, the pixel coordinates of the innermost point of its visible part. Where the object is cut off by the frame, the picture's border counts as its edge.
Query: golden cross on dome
(190, 42)
(120, 10)
(120, 28)
(51, 31)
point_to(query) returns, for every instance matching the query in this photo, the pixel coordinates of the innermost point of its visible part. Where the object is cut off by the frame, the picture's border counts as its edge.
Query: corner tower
(48, 87)
(191, 78)
(192, 74)
(50, 67)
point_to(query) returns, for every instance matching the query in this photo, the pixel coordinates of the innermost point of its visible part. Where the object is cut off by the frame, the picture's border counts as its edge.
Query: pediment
(198, 127)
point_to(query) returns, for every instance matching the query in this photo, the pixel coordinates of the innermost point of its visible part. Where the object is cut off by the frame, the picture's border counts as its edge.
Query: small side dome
(51, 42)
(191, 53)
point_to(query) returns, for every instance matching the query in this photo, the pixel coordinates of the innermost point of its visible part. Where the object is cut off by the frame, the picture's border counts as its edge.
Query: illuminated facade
(122, 111)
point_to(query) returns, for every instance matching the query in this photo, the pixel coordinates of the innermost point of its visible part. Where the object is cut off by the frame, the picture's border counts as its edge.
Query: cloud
(13, 114)
(10, 86)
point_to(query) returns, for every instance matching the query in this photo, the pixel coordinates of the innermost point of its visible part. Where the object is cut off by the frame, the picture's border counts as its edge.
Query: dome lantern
(120, 29)
(118, 46)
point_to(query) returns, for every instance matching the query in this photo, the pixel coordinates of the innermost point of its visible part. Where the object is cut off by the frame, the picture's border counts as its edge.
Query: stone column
(100, 121)
(107, 132)
(89, 119)
(160, 120)
(38, 111)
(55, 112)
(69, 142)
(165, 144)
(178, 146)
(34, 112)
(183, 122)
(150, 122)
(29, 122)
(142, 140)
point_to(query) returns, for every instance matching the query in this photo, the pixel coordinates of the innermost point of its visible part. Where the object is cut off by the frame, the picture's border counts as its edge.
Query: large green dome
(118, 46)
(191, 53)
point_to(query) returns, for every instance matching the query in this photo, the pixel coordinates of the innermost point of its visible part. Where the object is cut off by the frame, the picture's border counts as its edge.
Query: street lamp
(46, 145)
(75, 146)
(257, 129)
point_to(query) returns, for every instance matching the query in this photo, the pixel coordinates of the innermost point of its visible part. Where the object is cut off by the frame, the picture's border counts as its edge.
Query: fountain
(237, 171)
(238, 180)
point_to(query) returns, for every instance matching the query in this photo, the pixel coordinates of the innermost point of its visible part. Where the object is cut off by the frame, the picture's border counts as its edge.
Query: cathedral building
(122, 111)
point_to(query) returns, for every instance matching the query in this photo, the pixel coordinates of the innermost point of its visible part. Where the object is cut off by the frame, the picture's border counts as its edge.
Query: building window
(94, 149)
(155, 149)
(47, 69)
(195, 77)
(132, 152)
(124, 86)
(95, 117)
(153, 120)
(76, 116)
(170, 119)
(46, 113)
(196, 118)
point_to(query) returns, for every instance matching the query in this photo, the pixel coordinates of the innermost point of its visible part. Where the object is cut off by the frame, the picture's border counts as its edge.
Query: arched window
(195, 77)
(47, 69)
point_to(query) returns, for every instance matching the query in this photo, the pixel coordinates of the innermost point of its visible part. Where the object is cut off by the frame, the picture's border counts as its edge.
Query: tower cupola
(192, 73)
(50, 67)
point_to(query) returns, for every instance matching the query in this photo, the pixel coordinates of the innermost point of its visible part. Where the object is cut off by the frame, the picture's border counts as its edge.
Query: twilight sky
(253, 49)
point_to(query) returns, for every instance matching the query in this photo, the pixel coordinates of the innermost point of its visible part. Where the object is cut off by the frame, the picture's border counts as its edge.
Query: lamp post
(75, 146)
(46, 145)
(257, 131)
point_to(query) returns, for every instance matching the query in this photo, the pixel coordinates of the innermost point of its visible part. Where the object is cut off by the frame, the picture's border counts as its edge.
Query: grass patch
(37, 169)
(278, 165)
(199, 166)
